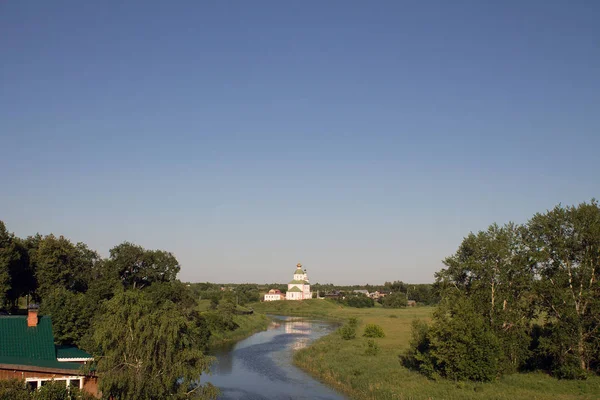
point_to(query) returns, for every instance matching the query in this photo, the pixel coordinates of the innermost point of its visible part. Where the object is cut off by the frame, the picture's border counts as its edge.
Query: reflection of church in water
(302, 330)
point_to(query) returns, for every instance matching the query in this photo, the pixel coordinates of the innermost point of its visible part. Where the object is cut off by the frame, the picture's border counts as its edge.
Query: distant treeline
(244, 293)
(518, 298)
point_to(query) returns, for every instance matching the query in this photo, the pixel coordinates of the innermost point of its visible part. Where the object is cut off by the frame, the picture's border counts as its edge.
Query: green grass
(343, 364)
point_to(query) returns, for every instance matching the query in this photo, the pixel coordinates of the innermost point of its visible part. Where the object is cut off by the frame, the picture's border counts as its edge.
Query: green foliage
(347, 331)
(395, 300)
(57, 390)
(71, 316)
(565, 244)
(373, 331)
(459, 345)
(546, 272)
(372, 348)
(62, 264)
(16, 278)
(14, 390)
(138, 267)
(148, 352)
(51, 390)
(357, 301)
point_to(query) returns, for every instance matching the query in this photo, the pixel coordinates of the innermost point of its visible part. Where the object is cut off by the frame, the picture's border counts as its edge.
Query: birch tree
(565, 244)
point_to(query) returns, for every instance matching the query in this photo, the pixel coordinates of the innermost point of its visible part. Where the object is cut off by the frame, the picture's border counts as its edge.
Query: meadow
(344, 365)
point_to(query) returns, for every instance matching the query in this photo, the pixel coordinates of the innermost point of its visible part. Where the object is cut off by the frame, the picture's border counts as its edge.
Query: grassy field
(343, 364)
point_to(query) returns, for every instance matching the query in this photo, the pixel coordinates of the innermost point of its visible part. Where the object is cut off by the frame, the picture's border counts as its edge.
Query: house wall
(90, 383)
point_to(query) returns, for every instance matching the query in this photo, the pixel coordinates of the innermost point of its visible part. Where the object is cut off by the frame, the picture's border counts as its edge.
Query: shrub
(372, 348)
(395, 300)
(459, 345)
(13, 390)
(353, 321)
(359, 301)
(348, 331)
(373, 331)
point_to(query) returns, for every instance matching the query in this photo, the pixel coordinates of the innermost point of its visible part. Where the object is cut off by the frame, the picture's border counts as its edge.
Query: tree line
(129, 306)
(518, 297)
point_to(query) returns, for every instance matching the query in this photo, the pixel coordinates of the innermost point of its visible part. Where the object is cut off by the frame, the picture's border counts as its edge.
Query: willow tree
(565, 243)
(149, 352)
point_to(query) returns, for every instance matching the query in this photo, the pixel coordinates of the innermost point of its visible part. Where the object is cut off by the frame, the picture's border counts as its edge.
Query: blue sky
(363, 139)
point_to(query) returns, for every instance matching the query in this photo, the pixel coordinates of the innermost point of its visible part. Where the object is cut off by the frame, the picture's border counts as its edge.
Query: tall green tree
(138, 267)
(493, 270)
(565, 243)
(15, 274)
(148, 352)
(60, 263)
(7, 255)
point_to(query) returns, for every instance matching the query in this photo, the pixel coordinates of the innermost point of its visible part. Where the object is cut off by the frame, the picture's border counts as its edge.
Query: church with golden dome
(298, 288)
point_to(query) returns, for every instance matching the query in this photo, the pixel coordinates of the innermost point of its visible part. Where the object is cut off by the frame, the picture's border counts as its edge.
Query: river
(260, 367)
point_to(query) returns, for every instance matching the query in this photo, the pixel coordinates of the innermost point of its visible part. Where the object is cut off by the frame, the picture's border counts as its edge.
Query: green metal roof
(34, 346)
(71, 352)
(295, 289)
(296, 282)
(299, 272)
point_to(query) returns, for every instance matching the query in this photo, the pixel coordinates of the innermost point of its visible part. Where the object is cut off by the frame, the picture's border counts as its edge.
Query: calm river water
(260, 367)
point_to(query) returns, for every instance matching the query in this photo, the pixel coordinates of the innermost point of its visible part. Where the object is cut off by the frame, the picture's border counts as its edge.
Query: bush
(459, 345)
(372, 348)
(353, 321)
(359, 301)
(395, 300)
(373, 331)
(348, 331)
(13, 390)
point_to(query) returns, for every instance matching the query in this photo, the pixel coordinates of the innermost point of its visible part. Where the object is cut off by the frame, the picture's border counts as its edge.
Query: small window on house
(44, 383)
(32, 384)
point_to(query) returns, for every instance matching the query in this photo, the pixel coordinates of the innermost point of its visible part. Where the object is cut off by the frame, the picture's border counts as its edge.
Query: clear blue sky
(363, 139)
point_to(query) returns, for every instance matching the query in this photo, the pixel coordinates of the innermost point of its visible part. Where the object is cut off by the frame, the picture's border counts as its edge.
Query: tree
(60, 263)
(138, 267)
(566, 248)
(22, 274)
(148, 352)
(7, 257)
(71, 314)
(395, 300)
(493, 270)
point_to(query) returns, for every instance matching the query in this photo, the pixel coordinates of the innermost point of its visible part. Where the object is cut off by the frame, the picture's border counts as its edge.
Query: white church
(298, 288)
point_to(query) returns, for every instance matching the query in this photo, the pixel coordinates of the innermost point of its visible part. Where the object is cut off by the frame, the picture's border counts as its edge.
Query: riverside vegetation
(348, 366)
(519, 319)
(118, 307)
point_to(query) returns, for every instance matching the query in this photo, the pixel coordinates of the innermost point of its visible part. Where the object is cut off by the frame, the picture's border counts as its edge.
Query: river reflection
(260, 367)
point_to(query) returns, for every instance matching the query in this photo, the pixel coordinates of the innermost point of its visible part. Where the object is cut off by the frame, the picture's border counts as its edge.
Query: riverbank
(247, 326)
(343, 364)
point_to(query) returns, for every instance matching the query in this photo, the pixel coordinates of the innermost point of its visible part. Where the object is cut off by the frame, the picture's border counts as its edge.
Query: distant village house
(274, 295)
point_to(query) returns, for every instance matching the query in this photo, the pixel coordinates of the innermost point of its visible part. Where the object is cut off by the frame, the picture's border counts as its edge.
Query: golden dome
(299, 265)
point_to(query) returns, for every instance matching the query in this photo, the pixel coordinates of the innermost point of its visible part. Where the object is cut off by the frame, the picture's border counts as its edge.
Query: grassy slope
(343, 365)
(247, 325)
